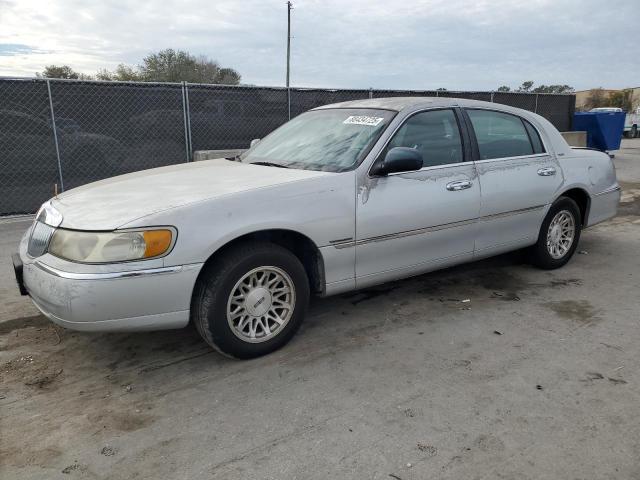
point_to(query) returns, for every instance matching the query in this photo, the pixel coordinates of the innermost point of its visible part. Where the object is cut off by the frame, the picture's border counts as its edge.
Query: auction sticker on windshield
(363, 120)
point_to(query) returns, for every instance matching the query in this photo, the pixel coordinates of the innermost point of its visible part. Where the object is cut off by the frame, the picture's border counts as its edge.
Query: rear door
(518, 178)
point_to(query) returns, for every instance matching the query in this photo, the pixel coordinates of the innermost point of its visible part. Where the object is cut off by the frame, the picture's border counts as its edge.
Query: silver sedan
(342, 197)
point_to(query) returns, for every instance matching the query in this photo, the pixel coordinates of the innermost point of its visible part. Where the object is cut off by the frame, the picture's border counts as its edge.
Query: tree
(525, 87)
(176, 66)
(164, 66)
(122, 73)
(553, 89)
(596, 98)
(62, 71)
(227, 76)
(621, 99)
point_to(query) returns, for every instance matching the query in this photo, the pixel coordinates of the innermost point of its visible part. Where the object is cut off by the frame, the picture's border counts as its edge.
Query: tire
(263, 278)
(633, 133)
(566, 213)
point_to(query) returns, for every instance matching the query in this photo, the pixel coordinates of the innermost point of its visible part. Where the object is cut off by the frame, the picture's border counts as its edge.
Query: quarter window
(500, 135)
(535, 137)
(434, 134)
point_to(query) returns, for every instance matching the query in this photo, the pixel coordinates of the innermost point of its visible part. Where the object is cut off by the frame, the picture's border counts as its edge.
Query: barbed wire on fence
(59, 134)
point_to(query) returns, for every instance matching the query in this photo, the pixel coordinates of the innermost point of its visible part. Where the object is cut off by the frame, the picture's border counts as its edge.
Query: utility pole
(289, 8)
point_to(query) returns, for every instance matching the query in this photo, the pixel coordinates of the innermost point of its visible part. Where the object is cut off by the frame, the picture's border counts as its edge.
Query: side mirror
(254, 142)
(399, 159)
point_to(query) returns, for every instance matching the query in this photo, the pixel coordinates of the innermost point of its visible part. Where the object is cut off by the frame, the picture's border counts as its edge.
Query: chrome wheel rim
(560, 235)
(261, 304)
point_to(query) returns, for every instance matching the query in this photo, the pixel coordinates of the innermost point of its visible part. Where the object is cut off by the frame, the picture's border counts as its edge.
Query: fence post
(491, 96)
(55, 136)
(187, 123)
(370, 92)
(289, 101)
(186, 111)
(535, 110)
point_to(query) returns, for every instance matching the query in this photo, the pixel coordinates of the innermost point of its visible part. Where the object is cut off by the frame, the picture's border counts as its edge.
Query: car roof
(399, 104)
(412, 104)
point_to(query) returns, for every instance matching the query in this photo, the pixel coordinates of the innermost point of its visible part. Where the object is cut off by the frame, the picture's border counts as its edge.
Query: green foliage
(597, 98)
(164, 66)
(176, 66)
(62, 71)
(553, 89)
(122, 73)
(527, 87)
(621, 99)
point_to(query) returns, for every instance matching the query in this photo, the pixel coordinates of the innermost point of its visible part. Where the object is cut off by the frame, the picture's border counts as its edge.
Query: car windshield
(332, 140)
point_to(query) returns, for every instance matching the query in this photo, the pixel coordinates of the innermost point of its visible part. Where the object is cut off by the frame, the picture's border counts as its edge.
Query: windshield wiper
(269, 164)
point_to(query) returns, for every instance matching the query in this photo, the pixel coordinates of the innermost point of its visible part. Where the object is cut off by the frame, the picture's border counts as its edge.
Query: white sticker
(363, 120)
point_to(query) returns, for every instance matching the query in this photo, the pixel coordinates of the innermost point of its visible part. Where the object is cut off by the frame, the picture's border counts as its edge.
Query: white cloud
(418, 44)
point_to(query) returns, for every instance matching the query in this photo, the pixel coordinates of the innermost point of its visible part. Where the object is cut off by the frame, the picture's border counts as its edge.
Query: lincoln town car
(341, 197)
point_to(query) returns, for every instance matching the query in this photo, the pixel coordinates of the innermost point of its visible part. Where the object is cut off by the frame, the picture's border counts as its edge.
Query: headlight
(106, 247)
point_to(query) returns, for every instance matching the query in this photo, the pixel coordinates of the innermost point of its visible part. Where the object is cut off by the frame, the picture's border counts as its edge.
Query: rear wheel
(633, 133)
(251, 300)
(559, 235)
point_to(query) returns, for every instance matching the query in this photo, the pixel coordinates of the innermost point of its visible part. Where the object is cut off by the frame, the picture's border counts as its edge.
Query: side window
(434, 134)
(499, 134)
(535, 138)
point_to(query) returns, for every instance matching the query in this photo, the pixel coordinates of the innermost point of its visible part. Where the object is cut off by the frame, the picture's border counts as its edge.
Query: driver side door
(408, 223)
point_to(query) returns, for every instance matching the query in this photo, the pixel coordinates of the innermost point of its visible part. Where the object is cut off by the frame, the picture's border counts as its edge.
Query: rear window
(500, 135)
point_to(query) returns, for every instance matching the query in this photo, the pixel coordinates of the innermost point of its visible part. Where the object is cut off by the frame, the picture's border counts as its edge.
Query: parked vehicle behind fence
(342, 197)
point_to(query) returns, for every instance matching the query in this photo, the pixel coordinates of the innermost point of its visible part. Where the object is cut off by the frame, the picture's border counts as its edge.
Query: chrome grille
(39, 239)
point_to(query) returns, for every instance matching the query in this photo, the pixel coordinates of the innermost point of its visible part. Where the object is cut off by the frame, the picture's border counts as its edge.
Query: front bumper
(146, 299)
(17, 270)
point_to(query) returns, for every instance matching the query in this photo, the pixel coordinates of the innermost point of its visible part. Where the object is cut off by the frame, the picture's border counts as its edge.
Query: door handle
(459, 185)
(547, 171)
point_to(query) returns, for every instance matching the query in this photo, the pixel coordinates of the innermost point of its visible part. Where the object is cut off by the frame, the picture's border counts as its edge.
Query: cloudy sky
(404, 44)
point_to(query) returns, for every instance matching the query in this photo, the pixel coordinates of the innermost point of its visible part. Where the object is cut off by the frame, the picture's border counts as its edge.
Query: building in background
(628, 99)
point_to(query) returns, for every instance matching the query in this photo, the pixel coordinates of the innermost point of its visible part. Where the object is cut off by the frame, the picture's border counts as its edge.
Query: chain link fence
(59, 134)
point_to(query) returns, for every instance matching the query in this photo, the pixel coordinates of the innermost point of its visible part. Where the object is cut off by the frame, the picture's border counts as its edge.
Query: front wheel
(251, 300)
(559, 235)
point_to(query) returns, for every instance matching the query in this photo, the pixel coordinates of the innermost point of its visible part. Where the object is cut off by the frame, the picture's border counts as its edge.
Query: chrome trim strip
(419, 231)
(608, 190)
(344, 244)
(493, 216)
(502, 159)
(340, 240)
(107, 275)
(407, 233)
(433, 167)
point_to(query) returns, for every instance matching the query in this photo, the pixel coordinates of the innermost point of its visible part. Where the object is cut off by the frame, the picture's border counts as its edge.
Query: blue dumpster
(604, 129)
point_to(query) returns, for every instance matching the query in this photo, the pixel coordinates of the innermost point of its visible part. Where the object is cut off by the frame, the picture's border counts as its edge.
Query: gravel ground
(533, 378)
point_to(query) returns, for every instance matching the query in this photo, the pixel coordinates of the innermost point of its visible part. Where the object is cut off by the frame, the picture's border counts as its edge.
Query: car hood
(111, 203)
